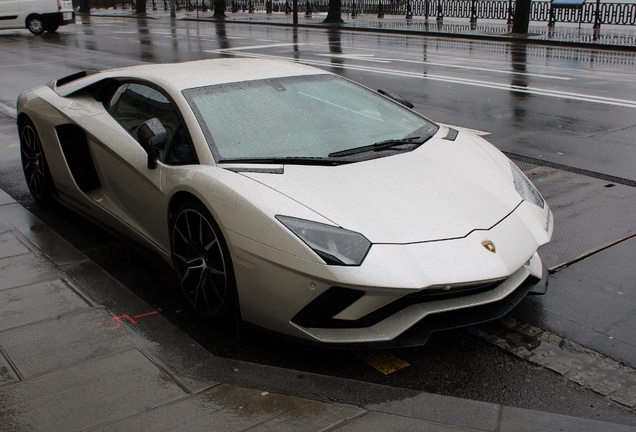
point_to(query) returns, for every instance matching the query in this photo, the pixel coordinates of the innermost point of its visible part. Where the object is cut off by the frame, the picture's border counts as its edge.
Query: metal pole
(509, 12)
(597, 15)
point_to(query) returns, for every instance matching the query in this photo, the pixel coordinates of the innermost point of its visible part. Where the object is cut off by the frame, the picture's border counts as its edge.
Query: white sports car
(291, 198)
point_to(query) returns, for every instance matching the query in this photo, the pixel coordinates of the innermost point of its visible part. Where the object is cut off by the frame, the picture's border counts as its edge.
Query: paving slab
(152, 331)
(312, 416)
(62, 342)
(231, 408)
(7, 372)
(90, 394)
(37, 302)
(521, 420)
(35, 232)
(11, 246)
(374, 421)
(446, 410)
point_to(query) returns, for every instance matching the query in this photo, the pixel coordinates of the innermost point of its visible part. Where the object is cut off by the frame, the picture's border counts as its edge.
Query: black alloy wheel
(34, 166)
(202, 263)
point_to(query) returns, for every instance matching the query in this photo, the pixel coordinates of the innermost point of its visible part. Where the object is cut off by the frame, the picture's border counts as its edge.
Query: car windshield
(309, 118)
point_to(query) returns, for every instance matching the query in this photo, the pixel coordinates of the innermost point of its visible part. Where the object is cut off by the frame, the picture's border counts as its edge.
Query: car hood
(442, 190)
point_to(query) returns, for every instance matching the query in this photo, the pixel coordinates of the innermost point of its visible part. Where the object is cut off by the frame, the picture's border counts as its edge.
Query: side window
(133, 103)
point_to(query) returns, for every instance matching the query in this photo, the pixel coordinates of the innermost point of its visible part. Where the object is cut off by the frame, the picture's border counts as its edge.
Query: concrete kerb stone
(574, 362)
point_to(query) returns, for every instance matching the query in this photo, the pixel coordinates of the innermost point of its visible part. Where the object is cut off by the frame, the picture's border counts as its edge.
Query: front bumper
(419, 333)
(411, 320)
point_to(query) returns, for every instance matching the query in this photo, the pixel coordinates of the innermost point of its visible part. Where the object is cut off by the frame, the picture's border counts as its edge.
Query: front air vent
(320, 312)
(452, 134)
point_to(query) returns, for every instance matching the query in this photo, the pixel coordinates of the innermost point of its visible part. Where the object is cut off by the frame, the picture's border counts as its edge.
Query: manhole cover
(589, 213)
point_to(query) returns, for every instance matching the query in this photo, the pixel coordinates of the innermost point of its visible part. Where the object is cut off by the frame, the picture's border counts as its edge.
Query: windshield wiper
(291, 160)
(381, 145)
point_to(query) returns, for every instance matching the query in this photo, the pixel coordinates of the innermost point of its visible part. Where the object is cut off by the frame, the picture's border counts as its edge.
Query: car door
(136, 193)
(10, 14)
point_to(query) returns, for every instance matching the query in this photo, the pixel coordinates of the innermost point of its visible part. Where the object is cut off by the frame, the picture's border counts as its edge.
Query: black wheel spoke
(200, 262)
(34, 163)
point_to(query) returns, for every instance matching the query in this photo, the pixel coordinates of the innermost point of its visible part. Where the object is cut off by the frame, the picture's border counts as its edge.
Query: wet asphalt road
(590, 126)
(569, 106)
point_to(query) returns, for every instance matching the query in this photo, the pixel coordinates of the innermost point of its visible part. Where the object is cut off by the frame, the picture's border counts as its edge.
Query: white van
(36, 15)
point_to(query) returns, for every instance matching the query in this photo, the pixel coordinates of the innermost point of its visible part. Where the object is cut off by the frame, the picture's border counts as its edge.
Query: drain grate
(590, 214)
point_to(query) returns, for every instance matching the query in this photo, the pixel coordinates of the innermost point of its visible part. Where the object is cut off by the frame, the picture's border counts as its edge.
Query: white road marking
(359, 57)
(432, 77)
(245, 48)
(8, 110)
(365, 57)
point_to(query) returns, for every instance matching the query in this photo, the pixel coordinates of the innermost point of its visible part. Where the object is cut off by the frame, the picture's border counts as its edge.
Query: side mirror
(398, 99)
(152, 137)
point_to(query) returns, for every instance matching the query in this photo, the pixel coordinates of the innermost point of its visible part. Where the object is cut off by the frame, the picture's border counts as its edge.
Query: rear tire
(35, 24)
(203, 264)
(36, 170)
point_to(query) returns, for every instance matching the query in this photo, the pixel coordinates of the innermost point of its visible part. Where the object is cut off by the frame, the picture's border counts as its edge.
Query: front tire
(202, 263)
(36, 170)
(35, 24)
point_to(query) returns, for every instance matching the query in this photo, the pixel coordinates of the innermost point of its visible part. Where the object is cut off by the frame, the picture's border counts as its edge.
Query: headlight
(335, 245)
(525, 188)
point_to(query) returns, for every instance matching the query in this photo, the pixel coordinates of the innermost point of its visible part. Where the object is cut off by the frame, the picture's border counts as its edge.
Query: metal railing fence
(608, 13)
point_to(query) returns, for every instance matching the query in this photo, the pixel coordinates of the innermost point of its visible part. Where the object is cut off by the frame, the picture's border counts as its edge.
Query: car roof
(180, 76)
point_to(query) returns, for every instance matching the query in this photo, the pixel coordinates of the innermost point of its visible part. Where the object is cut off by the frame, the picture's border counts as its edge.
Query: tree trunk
(84, 6)
(140, 6)
(219, 9)
(334, 12)
(522, 16)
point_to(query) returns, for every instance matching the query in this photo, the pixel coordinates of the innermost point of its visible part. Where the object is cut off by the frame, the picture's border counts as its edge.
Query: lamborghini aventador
(291, 198)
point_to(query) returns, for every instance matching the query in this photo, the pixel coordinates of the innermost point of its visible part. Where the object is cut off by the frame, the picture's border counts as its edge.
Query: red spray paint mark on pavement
(132, 320)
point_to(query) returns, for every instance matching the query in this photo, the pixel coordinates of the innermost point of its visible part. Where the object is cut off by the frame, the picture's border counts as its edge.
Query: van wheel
(35, 24)
(52, 28)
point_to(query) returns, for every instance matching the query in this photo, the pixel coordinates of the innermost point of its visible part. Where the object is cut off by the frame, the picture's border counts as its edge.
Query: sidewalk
(71, 359)
(613, 37)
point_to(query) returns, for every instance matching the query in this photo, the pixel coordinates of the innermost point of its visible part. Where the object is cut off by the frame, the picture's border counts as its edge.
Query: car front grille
(320, 312)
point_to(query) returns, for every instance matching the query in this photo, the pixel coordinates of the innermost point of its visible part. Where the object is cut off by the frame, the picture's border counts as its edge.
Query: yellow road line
(383, 361)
